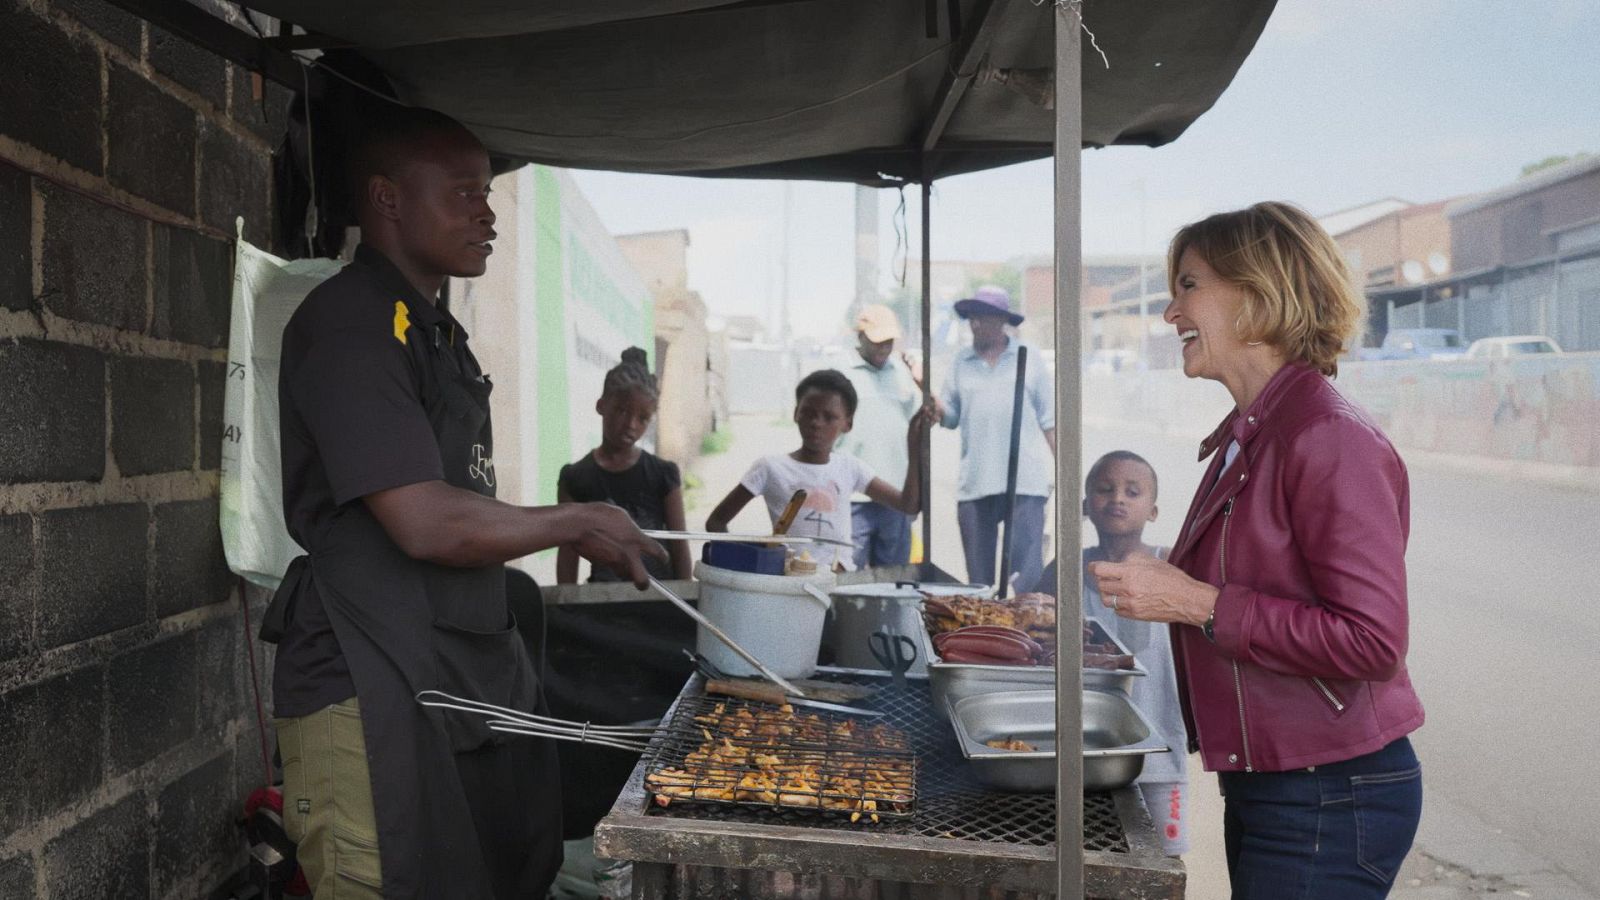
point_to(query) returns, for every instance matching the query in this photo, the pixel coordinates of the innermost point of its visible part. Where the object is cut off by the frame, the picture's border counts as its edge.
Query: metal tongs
(510, 721)
(661, 535)
(722, 636)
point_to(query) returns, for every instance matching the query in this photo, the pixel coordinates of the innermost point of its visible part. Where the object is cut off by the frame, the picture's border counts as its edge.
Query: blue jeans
(1334, 832)
(979, 522)
(882, 535)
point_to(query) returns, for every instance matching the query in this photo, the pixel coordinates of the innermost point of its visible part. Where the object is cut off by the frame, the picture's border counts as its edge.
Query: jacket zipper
(1238, 679)
(1327, 692)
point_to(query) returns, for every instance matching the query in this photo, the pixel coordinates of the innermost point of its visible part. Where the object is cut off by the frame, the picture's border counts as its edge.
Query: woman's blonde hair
(1298, 295)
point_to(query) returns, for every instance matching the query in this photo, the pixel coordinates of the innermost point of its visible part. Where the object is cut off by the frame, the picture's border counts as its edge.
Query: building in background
(1405, 246)
(689, 358)
(559, 304)
(1525, 260)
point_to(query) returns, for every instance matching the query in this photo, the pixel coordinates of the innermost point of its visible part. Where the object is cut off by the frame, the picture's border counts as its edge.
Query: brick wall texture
(127, 727)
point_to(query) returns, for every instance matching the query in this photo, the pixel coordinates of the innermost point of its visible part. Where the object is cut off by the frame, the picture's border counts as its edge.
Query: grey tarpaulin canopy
(841, 90)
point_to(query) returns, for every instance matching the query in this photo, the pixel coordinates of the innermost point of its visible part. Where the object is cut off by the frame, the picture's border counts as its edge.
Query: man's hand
(608, 537)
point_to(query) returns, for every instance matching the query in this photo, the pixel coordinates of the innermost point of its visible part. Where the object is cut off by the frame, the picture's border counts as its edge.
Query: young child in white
(825, 406)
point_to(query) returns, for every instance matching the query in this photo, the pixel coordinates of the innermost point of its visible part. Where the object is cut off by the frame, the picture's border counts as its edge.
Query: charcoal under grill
(950, 802)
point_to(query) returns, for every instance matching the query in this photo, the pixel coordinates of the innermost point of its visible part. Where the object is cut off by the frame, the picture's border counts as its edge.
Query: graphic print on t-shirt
(828, 486)
(822, 501)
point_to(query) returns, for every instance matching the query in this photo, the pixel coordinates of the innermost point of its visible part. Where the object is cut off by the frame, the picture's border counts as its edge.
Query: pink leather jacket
(1305, 534)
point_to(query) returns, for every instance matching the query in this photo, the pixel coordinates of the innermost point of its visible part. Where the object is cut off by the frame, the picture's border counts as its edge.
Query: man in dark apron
(388, 476)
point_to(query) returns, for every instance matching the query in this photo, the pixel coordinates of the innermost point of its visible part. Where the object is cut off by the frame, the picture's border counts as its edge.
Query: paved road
(1501, 590)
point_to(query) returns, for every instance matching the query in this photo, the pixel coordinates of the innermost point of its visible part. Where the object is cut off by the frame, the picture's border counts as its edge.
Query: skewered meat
(1010, 744)
(773, 756)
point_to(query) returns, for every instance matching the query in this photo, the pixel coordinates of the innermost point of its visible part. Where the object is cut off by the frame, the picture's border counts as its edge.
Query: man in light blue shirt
(887, 397)
(977, 398)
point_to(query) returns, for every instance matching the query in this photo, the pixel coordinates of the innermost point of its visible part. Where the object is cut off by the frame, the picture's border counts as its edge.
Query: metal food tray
(953, 682)
(835, 757)
(1116, 739)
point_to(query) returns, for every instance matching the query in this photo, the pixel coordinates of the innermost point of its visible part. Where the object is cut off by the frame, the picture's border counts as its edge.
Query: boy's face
(443, 197)
(625, 416)
(821, 417)
(1121, 498)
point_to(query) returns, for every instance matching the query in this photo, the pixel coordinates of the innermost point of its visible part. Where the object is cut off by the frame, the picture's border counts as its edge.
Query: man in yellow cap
(887, 397)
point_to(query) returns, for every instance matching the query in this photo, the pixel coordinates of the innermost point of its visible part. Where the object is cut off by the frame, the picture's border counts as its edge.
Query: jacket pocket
(1388, 806)
(1329, 696)
(487, 666)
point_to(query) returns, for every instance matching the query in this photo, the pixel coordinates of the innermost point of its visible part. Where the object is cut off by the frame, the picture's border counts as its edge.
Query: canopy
(848, 90)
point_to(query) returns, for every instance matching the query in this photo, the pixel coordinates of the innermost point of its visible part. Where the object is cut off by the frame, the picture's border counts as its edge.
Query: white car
(1512, 345)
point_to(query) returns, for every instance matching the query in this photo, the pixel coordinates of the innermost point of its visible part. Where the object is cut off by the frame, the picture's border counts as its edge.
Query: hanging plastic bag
(266, 292)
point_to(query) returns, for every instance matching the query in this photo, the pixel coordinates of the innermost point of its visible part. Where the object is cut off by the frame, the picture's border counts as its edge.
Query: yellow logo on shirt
(402, 321)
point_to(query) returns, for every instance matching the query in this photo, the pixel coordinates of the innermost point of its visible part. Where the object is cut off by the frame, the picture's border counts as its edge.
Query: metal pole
(1069, 450)
(927, 361)
(1015, 451)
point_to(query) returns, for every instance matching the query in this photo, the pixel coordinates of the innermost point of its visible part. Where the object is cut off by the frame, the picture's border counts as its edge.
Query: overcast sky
(1340, 103)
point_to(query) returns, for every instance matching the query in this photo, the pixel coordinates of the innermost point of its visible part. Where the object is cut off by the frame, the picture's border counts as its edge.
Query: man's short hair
(388, 135)
(830, 380)
(1122, 456)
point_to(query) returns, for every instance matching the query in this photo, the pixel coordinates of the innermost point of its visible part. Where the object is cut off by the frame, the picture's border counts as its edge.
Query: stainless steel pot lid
(877, 590)
(953, 590)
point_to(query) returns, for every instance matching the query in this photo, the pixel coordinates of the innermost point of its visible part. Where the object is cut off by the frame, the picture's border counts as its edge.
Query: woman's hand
(1153, 590)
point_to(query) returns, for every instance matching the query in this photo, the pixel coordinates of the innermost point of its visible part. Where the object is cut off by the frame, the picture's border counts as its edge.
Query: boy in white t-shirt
(825, 406)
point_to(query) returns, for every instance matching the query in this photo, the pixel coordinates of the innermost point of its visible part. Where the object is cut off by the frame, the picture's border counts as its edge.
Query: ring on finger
(1113, 602)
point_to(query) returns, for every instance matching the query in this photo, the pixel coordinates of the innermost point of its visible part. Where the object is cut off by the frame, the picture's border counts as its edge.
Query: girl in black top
(646, 486)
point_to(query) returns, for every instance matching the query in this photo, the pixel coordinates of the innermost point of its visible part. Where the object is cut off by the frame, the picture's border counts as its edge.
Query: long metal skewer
(662, 535)
(722, 636)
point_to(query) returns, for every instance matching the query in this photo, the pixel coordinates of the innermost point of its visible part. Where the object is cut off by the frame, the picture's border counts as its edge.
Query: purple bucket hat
(990, 299)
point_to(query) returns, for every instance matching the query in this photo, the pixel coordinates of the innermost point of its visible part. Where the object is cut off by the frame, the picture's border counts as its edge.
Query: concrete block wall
(127, 731)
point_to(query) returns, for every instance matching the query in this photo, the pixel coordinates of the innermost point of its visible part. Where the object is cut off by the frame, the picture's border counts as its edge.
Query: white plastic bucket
(774, 617)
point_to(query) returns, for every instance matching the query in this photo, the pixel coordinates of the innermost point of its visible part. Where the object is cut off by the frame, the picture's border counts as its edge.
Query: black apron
(461, 811)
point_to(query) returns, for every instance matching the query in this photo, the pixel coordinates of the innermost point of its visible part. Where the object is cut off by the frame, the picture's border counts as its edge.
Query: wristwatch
(1209, 628)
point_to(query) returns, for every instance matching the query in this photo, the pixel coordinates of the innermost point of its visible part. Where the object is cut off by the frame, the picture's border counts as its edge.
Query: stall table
(964, 840)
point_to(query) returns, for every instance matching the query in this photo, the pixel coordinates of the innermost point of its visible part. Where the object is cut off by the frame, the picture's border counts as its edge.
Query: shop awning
(848, 90)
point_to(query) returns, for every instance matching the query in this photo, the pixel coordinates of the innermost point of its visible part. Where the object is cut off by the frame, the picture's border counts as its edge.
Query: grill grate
(950, 802)
(837, 765)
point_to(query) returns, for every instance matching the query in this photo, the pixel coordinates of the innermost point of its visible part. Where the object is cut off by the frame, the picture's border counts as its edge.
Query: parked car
(1512, 345)
(1419, 343)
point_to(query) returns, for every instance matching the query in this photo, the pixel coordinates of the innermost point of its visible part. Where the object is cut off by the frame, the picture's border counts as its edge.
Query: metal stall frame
(1068, 204)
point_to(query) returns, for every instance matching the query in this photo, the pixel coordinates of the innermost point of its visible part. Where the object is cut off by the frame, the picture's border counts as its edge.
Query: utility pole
(783, 286)
(1144, 311)
(866, 246)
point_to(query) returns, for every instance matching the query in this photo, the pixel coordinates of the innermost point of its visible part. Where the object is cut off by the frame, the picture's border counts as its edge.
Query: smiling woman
(1288, 581)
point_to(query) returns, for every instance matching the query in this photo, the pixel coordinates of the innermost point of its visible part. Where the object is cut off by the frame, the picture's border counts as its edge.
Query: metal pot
(859, 610)
(891, 607)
